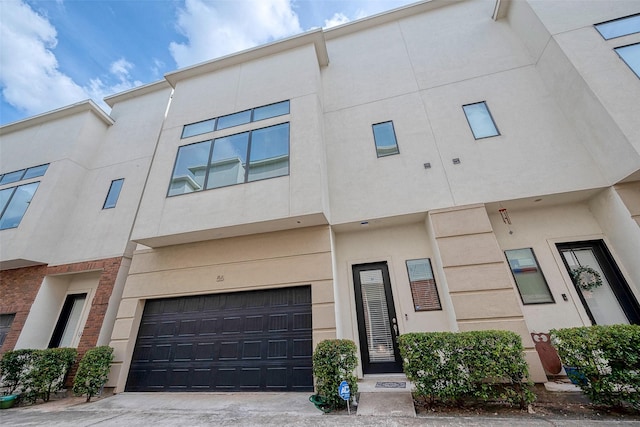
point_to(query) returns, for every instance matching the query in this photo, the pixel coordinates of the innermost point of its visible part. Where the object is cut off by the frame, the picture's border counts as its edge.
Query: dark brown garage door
(241, 341)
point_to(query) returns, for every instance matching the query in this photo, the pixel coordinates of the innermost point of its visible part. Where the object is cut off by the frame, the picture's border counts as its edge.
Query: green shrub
(484, 365)
(47, 373)
(607, 360)
(93, 371)
(333, 362)
(14, 366)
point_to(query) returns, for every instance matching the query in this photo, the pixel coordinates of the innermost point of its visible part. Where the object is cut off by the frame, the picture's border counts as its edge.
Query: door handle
(395, 326)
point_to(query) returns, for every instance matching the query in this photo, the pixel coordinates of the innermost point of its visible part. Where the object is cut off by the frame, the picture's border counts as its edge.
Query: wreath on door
(586, 278)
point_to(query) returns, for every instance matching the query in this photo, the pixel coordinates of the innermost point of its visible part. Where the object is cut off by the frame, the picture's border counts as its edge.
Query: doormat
(391, 384)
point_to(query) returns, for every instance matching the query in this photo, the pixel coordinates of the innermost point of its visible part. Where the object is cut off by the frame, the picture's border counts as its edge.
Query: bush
(93, 371)
(607, 361)
(13, 368)
(484, 365)
(333, 362)
(47, 373)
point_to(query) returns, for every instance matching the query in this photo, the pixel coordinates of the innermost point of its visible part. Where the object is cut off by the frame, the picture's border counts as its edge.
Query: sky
(54, 53)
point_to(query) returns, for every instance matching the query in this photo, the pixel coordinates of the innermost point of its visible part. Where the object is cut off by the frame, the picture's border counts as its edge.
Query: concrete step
(397, 404)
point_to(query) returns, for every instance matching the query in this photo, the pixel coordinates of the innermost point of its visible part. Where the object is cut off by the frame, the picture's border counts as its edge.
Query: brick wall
(18, 289)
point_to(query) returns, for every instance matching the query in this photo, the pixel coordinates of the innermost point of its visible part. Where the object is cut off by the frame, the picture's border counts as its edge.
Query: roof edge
(111, 100)
(69, 110)
(315, 37)
(386, 17)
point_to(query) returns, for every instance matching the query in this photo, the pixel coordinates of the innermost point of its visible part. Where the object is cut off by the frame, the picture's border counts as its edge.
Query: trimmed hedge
(452, 366)
(607, 361)
(333, 362)
(38, 373)
(14, 366)
(93, 371)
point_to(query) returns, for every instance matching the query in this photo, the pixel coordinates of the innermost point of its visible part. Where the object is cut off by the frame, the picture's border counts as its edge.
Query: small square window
(113, 194)
(385, 138)
(529, 279)
(619, 27)
(631, 56)
(480, 120)
(423, 285)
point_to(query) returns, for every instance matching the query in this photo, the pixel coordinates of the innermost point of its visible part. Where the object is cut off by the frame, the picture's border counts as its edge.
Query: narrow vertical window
(423, 285)
(5, 326)
(480, 120)
(531, 283)
(385, 139)
(113, 194)
(631, 56)
(68, 321)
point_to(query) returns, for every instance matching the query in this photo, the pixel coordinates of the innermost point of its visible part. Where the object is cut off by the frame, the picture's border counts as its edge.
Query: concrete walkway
(237, 409)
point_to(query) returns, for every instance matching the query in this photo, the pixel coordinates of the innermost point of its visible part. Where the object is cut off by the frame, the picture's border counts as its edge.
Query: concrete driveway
(233, 409)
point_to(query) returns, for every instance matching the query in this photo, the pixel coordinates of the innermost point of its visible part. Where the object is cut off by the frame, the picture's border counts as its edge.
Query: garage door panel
(257, 340)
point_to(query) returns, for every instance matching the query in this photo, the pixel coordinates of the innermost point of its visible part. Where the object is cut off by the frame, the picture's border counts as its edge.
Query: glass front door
(610, 303)
(377, 322)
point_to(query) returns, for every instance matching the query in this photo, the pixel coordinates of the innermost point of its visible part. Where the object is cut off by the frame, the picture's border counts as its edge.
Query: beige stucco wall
(262, 261)
(294, 76)
(540, 228)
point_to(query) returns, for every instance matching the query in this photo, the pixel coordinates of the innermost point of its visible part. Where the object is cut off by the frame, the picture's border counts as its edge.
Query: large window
(14, 202)
(234, 159)
(236, 119)
(423, 285)
(22, 174)
(385, 138)
(531, 283)
(631, 56)
(480, 120)
(619, 27)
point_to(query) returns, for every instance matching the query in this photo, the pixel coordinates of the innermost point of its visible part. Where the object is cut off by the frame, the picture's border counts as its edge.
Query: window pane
(113, 194)
(619, 27)
(5, 326)
(228, 161)
(35, 171)
(269, 152)
(72, 321)
(385, 138)
(5, 195)
(198, 128)
(480, 120)
(528, 276)
(10, 177)
(631, 55)
(423, 285)
(191, 166)
(234, 119)
(18, 205)
(273, 110)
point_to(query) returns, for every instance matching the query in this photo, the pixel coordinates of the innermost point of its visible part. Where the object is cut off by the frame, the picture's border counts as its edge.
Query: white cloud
(215, 29)
(338, 18)
(30, 78)
(120, 72)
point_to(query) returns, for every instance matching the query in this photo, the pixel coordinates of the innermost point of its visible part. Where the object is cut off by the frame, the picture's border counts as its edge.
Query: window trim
(62, 321)
(486, 106)
(395, 138)
(622, 18)
(544, 279)
(115, 202)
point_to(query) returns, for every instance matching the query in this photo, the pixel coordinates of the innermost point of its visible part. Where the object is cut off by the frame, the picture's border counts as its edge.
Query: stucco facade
(486, 231)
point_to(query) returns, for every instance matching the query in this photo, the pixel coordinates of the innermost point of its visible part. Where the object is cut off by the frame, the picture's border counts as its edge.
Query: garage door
(241, 341)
